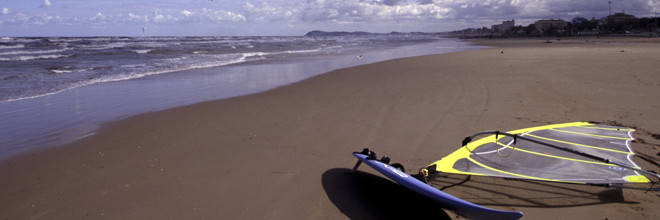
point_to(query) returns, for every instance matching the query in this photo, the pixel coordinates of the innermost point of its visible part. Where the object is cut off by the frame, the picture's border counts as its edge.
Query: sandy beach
(285, 153)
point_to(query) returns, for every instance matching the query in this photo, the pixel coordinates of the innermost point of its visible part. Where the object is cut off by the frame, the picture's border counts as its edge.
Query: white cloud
(186, 13)
(20, 18)
(220, 15)
(40, 19)
(46, 4)
(202, 15)
(98, 18)
(369, 15)
(46, 19)
(136, 18)
(234, 16)
(267, 12)
(159, 18)
(374, 10)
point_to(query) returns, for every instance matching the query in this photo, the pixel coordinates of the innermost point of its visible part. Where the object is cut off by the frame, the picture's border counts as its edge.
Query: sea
(54, 90)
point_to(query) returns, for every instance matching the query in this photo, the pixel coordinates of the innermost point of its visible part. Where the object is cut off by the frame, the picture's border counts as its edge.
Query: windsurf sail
(579, 152)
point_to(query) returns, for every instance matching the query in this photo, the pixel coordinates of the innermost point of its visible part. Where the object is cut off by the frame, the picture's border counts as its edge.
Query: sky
(287, 17)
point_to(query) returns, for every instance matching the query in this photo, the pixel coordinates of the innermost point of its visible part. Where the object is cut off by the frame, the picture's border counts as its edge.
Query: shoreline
(71, 114)
(284, 153)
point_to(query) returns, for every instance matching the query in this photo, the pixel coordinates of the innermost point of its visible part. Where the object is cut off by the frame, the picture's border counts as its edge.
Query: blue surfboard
(465, 208)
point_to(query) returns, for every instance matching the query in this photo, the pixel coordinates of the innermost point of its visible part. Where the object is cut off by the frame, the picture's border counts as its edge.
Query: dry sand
(285, 153)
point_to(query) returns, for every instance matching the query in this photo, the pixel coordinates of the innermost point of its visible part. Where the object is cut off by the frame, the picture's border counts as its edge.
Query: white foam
(56, 71)
(105, 46)
(302, 51)
(254, 55)
(26, 58)
(66, 40)
(211, 62)
(12, 46)
(34, 96)
(134, 65)
(20, 52)
(142, 51)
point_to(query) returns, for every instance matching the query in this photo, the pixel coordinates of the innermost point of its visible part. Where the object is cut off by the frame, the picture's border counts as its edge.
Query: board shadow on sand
(361, 195)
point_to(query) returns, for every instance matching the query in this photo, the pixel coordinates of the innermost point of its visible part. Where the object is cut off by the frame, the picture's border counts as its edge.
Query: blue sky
(286, 17)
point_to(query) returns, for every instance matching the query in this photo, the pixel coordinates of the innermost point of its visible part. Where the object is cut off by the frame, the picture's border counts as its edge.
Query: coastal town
(616, 24)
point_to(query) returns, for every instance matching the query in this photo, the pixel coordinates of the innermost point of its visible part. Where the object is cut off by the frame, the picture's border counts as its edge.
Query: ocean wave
(143, 51)
(61, 69)
(135, 71)
(108, 59)
(173, 67)
(12, 46)
(56, 71)
(302, 51)
(21, 52)
(12, 99)
(142, 65)
(254, 55)
(70, 39)
(106, 46)
(98, 38)
(40, 57)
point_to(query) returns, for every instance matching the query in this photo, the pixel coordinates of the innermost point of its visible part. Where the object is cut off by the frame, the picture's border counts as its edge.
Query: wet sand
(285, 153)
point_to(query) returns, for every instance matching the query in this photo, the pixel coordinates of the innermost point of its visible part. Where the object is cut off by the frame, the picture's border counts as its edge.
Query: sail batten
(578, 152)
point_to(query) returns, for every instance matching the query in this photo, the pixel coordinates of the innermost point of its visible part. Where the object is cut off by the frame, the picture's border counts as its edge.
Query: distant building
(497, 28)
(505, 26)
(622, 18)
(544, 25)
